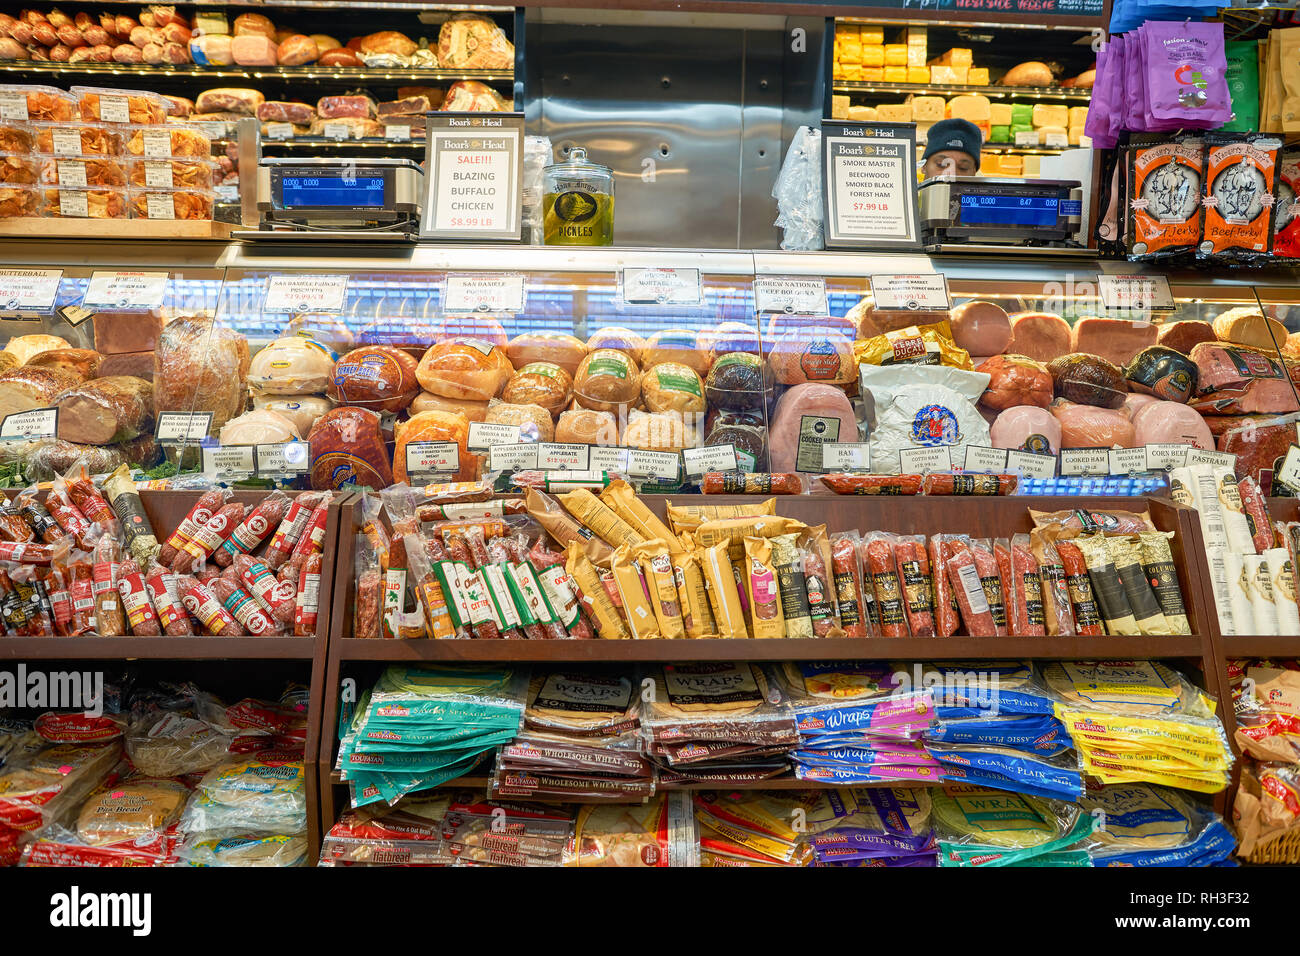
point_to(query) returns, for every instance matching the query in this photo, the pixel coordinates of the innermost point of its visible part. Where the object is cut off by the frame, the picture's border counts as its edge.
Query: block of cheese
(923, 132)
(915, 36)
(948, 75)
(1000, 114)
(873, 55)
(1023, 135)
(1075, 135)
(894, 112)
(895, 74)
(1000, 133)
(1022, 114)
(1010, 166)
(850, 51)
(839, 107)
(863, 114)
(927, 109)
(978, 76)
(1047, 114)
(871, 74)
(1078, 115)
(969, 106)
(916, 56)
(957, 56)
(989, 165)
(918, 74)
(895, 54)
(874, 35)
(1031, 166)
(1049, 131)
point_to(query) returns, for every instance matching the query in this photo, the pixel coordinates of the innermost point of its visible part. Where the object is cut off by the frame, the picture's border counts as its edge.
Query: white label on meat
(1056, 140)
(562, 456)
(969, 578)
(1128, 461)
(927, 292)
(231, 462)
(1289, 473)
(67, 142)
(279, 130)
(653, 464)
(701, 461)
(1031, 465)
(35, 423)
(1197, 456)
(1026, 137)
(160, 206)
(398, 133)
(432, 458)
(29, 290)
(73, 204)
(114, 109)
(483, 435)
(661, 286)
(484, 293)
(846, 456)
(814, 432)
(71, 172)
(983, 459)
(923, 461)
(1145, 292)
(1085, 461)
(337, 131)
(211, 21)
(283, 458)
(125, 291)
(495, 576)
(296, 292)
(13, 107)
(512, 457)
(792, 295)
(1162, 456)
(608, 458)
(183, 426)
(158, 176)
(157, 143)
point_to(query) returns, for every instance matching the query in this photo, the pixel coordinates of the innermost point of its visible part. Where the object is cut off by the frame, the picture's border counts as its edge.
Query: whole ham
(981, 328)
(1236, 379)
(1016, 380)
(1040, 335)
(1171, 422)
(1116, 340)
(1027, 428)
(810, 399)
(1087, 426)
(1186, 335)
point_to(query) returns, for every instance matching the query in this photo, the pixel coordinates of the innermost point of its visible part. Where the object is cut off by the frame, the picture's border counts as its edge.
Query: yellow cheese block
(1076, 136)
(948, 75)
(990, 165)
(839, 107)
(1045, 114)
(894, 112)
(871, 74)
(918, 74)
(927, 109)
(1078, 115)
(850, 51)
(916, 56)
(895, 54)
(1031, 166)
(999, 114)
(978, 76)
(895, 74)
(970, 106)
(915, 36)
(957, 56)
(1010, 166)
(923, 132)
(870, 34)
(1046, 131)
(863, 114)
(873, 55)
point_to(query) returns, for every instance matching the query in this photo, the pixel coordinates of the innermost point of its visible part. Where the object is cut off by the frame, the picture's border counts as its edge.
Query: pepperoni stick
(291, 528)
(208, 504)
(250, 533)
(963, 574)
(1028, 620)
(477, 600)
(914, 576)
(749, 483)
(991, 580)
(307, 607)
(879, 558)
(135, 600)
(848, 584)
(853, 484)
(945, 484)
(160, 585)
(1257, 517)
(947, 617)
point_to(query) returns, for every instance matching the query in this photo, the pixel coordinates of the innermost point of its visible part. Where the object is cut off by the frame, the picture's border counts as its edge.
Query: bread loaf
(106, 411)
(297, 50)
(672, 387)
(201, 365)
(1032, 73)
(254, 24)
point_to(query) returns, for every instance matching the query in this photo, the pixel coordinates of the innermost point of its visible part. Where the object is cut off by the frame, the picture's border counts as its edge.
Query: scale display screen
(986, 210)
(317, 190)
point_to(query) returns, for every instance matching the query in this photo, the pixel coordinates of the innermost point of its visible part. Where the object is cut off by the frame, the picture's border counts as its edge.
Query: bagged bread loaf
(292, 366)
(465, 369)
(585, 426)
(540, 383)
(607, 381)
(534, 421)
(201, 365)
(434, 427)
(106, 411)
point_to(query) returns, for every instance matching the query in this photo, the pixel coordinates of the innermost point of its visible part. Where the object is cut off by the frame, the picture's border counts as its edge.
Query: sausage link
(291, 528)
(747, 483)
(91, 503)
(540, 558)
(81, 589)
(135, 600)
(821, 603)
(1257, 517)
(995, 593)
(198, 516)
(969, 484)
(70, 518)
(172, 618)
(202, 603)
(1087, 620)
(1028, 620)
(275, 597)
(307, 607)
(889, 594)
(855, 484)
(208, 538)
(848, 586)
(253, 529)
(243, 607)
(963, 574)
(459, 550)
(39, 519)
(946, 612)
(914, 576)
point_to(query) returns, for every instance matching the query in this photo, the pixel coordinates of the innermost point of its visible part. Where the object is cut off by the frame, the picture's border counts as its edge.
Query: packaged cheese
(1000, 114)
(839, 107)
(916, 58)
(1046, 114)
(895, 74)
(1078, 115)
(948, 75)
(1031, 166)
(1010, 166)
(873, 55)
(957, 56)
(895, 54)
(872, 74)
(1076, 136)
(918, 74)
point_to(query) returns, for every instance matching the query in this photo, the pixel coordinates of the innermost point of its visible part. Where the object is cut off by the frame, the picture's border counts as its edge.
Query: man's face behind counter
(950, 162)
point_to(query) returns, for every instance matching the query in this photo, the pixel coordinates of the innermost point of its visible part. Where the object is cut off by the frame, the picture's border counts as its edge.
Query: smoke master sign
(870, 185)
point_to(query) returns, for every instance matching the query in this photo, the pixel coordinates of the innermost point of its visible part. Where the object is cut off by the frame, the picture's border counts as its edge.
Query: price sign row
(241, 462)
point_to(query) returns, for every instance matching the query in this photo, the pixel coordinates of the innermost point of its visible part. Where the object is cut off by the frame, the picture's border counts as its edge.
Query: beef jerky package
(1164, 181)
(1240, 198)
(1286, 211)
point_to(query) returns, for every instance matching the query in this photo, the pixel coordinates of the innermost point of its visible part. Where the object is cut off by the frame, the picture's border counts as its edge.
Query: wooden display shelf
(157, 648)
(477, 782)
(59, 228)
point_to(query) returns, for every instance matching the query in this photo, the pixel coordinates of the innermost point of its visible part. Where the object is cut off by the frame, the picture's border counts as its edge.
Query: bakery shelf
(998, 92)
(343, 75)
(157, 648)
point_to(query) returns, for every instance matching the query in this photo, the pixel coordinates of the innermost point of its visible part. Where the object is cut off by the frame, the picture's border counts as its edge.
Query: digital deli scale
(990, 211)
(338, 198)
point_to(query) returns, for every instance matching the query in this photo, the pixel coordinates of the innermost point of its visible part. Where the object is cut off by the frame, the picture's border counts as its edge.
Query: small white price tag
(1143, 292)
(1128, 461)
(1289, 473)
(177, 427)
(1162, 456)
(793, 295)
(125, 291)
(432, 458)
(397, 132)
(299, 292)
(984, 459)
(160, 206)
(846, 456)
(1196, 456)
(13, 106)
(1056, 140)
(1085, 461)
(67, 142)
(210, 21)
(283, 458)
(337, 131)
(229, 462)
(700, 461)
(34, 423)
(922, 461)
(485, 292)
(661, 286)
(73, 204)
(562, 456)
(29, 290)
(1031, 465)
(157, 143)
(71, 172)
(483, 435)
(158, 176)
(278, 131)
(609, 458)
(114, 109)
(512, 457)
(653, 464)
(927, 292)
(1027, 137)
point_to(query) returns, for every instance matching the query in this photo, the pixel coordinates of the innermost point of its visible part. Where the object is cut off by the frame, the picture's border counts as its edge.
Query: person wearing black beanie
(952, 148)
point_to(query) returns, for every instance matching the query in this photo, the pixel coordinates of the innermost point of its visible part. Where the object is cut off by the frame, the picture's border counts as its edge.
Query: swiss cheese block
(969, 106)
(915, 36)
(1031, 166)
(1078, 115)
(927, 109)
(894, 112)
(978, 76)
(895, 74)
(863, 114)
(1046, 131)
(839, 107)
(1000, 114)
(1077, 137)
(895, 54)
(918, 74)
(870, 34)
(1046, 114)
(948, 75)
(916, 56)
(873, 55)
(957, 56)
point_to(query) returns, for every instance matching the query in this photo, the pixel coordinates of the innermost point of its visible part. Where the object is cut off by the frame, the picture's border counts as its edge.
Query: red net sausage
(947, 616)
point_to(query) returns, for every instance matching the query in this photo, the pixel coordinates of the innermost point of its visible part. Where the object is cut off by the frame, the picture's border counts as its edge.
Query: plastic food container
(170, 141)
(81, 172)
(23, 103)
(578, 202)
(16, 139)
(19, 169)
(190, 204)
(19, 202)
(78, 139)
(64, 202)
(172, 173)
(136, 107)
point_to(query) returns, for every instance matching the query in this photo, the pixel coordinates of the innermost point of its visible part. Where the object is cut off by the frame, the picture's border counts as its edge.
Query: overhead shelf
(156, 648)
(340, 74)
(480, 782)
(316, 142)
(996, 92)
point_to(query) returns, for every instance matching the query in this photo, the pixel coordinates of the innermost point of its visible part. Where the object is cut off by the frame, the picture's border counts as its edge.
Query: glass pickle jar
(578, 202)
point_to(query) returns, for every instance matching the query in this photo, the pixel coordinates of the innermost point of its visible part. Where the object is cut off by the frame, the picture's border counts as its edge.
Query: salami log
(878, 555)
(856, 484)
(947, 615)
(913, 566)
(848, 584)
(995, 593)
(105, 411)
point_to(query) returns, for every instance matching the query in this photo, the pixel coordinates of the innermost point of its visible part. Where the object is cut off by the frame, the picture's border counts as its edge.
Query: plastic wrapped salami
(947, 611)
(995, 586)
(1112, 601)
(81, 589)
(69, 516)
(1257, 517)
(207, 538)
(295, 522)
(161, 587)
(110, 621)
(847, 575)
(243, 608)
(204, 508)
(38, 518)
(1028, 619)
(139, 609)
(1087, 618)
(913, 565)
(273, 596)
(253, 529)
(963, 573)
(89, 501)
(877, 551)
(1058, 618)
(203, 605)
(125, 500)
